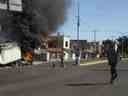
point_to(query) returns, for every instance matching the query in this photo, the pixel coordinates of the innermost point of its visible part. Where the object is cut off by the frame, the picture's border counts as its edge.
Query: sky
(108, 17)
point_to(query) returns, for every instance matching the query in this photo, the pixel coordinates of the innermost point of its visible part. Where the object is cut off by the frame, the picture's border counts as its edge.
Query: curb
(124, 59)
(94, 63)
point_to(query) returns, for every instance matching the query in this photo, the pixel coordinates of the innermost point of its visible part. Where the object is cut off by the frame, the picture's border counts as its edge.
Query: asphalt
(43, 80)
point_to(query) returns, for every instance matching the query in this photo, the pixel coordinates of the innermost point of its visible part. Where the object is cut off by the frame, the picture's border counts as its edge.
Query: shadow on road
(87, 84)
(100, 69)
(108, 69)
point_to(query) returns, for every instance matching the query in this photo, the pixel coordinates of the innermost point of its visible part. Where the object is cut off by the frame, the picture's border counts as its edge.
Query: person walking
(112, 56)
(62, 58)
(77, 57)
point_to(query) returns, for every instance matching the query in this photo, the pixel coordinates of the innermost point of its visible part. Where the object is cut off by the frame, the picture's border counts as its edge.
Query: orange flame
(27, 56)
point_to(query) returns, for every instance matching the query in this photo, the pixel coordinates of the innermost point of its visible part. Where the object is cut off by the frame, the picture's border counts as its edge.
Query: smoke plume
(39, 18)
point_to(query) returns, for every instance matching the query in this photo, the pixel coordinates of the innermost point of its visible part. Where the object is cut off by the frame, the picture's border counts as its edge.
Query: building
(88, 49)
(58, 44)
(82, 44)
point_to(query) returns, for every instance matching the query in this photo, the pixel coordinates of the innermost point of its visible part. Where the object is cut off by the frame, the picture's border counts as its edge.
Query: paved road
(68, 81)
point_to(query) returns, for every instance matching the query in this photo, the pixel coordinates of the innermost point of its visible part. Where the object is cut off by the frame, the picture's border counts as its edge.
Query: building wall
(59, 42)
(87, 48)
(66, 42)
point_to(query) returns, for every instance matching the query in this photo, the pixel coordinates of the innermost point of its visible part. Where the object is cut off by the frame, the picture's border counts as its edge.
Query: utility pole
(89, 36)
(122, 47)
(7, 5)
(95, 40)
(94, 35)
(78, 21)
(77, 51)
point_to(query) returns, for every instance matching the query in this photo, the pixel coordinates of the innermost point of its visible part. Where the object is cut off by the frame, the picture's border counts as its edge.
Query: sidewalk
(94, 62)
(88, 63)
(99, 62)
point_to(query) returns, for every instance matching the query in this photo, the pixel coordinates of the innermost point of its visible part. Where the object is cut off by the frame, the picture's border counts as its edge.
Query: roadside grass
(125, 61)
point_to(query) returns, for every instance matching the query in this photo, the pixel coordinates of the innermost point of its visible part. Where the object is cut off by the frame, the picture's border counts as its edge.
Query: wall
(66, 40)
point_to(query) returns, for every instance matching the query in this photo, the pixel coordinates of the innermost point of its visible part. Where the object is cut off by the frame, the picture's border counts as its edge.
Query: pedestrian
(77, 56)
(112, 56)
(53, 60)
(62, 58)
(86, 56)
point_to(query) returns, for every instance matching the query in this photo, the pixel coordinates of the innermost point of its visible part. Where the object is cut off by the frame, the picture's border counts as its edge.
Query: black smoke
(38, 19)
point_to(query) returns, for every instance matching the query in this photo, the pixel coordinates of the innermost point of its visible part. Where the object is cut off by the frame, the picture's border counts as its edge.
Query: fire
(27, 56)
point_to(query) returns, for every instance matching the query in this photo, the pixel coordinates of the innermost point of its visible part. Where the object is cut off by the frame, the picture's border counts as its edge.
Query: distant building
(82, 44)
(88, 49)
(58, 44)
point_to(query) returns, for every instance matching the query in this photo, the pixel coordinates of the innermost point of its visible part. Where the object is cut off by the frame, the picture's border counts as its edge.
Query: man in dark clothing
(77, 56)
(112, 56)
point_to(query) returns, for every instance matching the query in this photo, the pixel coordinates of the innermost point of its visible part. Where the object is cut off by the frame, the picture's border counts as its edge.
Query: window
(66, 44)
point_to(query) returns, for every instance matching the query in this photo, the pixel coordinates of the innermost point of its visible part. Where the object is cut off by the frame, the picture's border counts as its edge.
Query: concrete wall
(66, 42)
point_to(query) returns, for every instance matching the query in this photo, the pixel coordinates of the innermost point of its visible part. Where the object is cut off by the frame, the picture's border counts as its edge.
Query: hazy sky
(107, 17)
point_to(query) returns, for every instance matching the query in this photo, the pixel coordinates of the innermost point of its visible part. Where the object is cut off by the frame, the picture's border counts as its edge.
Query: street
(69, 81)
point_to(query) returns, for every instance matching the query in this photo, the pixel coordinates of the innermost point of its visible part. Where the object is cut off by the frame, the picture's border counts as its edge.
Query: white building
(58, 44)
(66, 47)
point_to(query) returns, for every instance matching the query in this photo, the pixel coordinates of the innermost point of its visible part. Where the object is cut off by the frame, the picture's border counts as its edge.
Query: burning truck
(12, 53)
(9, 52)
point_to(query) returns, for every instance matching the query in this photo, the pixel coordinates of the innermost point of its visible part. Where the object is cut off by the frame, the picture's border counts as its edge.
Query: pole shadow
(100, 69)
(87, 84)
(108, 69)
